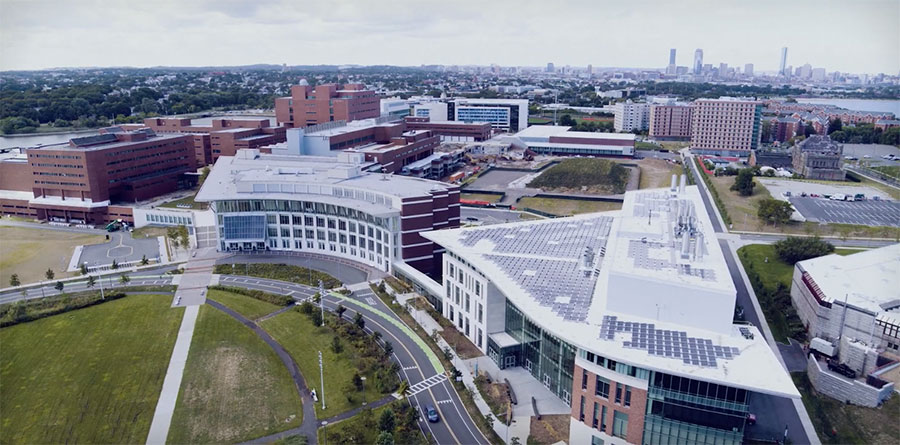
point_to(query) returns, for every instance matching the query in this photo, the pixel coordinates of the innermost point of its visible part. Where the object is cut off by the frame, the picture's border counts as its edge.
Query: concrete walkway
(165, 407)
(309, 426)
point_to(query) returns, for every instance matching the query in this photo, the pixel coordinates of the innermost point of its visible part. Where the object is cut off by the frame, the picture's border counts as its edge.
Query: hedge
(278, 300)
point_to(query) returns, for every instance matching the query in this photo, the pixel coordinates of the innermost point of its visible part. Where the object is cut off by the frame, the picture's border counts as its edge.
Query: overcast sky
(849, 35)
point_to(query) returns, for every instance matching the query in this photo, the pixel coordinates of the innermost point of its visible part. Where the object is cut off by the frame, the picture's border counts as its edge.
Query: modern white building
(395, 107)
(630, 116)
(328, 206)
(561, 141)
(436, 111)
(503, 114)
(626, 316)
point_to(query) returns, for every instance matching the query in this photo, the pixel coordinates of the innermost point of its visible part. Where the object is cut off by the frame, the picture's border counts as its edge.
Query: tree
(766, 131)
(184, 237)
(357, 381)
(316, 318)
(306, 308)
(49, 274)
(340, 311)
(384, 438)
(59, 286)
(14, 280)
(91, 281)
(84, 268)
(144, 260)
(743, 183)
(835, 125)
(567, 120)
(114, 265)
(124, 279)
(358, 321)
(775, 211)
(387, 422)
(203, 175)
(809, 130)
(388, 348)
(515, 441)
(376, 336)
(336, 345)
(793, 249)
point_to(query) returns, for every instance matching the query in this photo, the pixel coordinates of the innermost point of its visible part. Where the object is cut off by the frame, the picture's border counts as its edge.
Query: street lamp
(363, 378)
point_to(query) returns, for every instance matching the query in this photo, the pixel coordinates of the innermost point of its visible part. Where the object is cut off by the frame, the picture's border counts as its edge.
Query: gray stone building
(818, 157)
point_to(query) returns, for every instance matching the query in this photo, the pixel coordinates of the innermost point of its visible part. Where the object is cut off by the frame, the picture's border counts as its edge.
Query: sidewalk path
(309, 426)
(165, 407)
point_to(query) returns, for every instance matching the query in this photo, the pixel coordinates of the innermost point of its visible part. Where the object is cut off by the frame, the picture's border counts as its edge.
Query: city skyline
(50, 33)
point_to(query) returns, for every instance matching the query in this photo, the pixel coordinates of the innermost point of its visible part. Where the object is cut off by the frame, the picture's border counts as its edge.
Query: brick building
(326, 103)
(726, 126)
(79, 181)
(671, 122)
(818, 157)
(223, 137)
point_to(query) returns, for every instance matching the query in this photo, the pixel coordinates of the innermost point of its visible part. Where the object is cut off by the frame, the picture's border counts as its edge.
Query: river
(31, 140)
(888, 105)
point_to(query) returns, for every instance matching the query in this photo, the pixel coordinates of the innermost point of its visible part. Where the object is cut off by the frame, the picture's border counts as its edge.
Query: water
(32, 140)
(891, 106)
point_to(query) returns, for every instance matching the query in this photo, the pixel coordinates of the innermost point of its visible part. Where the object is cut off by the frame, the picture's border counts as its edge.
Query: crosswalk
(444, 402)
(425, 384)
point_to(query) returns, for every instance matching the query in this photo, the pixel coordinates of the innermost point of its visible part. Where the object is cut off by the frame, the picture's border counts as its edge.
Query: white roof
(868, 280)
(305, 177)
(545, 131)
(581, 277)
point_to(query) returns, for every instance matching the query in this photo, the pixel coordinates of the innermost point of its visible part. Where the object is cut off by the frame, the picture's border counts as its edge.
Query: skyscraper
(698, 61)
(783, 61)
(672, 56)
(748, 70)
(550, 67)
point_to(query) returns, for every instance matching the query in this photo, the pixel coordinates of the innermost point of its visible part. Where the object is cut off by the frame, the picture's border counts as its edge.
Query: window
(583, 379)
(594, 419)
(620, 424)
(581, 410)
(627, 395)
(603, 419)
(618, 393)
(602, 388)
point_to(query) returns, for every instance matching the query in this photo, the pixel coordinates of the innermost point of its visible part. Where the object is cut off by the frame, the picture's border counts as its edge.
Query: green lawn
(583, 175)
(481, 197)
(567, 207)
(780, 314)
(247, 306)
(91, 375)
(235, 388)
(303, 341)
(890, 170)
(188, 200)
(283, 272)
(839, 423)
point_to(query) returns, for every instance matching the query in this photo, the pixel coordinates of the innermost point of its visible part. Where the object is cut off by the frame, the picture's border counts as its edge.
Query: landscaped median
(280, 272)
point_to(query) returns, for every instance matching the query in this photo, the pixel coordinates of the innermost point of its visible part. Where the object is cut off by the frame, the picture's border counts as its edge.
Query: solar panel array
(559, 239)
(558, 284)
(667, 343)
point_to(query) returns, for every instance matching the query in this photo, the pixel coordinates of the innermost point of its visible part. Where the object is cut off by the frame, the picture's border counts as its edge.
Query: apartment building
(671, 122)
(726, 126)
(631, 116)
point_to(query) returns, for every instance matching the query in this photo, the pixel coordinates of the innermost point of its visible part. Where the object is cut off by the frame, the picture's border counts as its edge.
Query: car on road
(431, 414)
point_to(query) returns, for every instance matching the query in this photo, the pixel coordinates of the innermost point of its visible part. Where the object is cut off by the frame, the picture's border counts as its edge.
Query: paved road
(487, 216)
(109, 282)
(455, 426)
(704, 194)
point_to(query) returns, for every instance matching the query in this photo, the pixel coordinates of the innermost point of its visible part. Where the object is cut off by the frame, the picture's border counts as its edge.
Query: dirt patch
(463, 347)
(550, 429)
(657, 173)
(496, 395)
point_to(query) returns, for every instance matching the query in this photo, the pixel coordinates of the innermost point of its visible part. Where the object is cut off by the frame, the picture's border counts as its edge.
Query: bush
(278, 300)
(282, 272)
(793, 249)
(30, 310)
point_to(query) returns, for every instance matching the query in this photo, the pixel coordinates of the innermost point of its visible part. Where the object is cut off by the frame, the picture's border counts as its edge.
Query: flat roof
(867, 280)
(111, 145)
(546, 131)
(570, 275)
(291, 177)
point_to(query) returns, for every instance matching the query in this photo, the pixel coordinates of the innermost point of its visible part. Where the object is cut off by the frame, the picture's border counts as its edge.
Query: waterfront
(888, 105)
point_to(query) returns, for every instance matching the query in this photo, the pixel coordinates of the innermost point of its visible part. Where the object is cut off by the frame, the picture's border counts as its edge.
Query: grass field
(283, 272)
(30, 252)
(838, 423)
(656, 173)
(148, 232)
(565, 207)
(247, 306)
(188, 200)
(480, 197)
(773, 272)
(890, 170)
(235, 388)
(91, 375)
(303, 341)
(583, 175)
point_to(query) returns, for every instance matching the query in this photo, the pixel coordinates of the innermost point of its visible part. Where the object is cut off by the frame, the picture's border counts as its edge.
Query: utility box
(822, 346)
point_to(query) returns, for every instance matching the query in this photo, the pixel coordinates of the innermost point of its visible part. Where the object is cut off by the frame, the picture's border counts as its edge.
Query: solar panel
(667, 343)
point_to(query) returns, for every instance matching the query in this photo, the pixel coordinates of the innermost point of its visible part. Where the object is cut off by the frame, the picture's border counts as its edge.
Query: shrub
(29, 310)
(793, 249)
(282, 272)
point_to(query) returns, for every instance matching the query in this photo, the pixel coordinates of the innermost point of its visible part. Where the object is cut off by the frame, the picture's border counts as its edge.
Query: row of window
(169, 219)
(260, 205)
(598, 420)
(601, 389)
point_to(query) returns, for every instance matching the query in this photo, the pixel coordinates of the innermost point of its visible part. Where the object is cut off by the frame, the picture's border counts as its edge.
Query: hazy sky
(848, 35)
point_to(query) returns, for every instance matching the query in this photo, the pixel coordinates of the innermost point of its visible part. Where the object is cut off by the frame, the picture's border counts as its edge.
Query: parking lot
(121, 247)
(777, 187)
(869, 213)
(874, 151)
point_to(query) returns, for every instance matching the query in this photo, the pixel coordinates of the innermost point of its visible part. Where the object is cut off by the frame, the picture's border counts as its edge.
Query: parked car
(837, 197)
(431, 414)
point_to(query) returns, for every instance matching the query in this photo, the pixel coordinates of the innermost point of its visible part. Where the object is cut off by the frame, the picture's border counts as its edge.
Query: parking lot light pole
(322, 379)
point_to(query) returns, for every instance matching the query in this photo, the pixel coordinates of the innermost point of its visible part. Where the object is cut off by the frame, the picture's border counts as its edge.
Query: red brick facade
(635, 411)
(326, 103)
(223, 138)
(439, 210)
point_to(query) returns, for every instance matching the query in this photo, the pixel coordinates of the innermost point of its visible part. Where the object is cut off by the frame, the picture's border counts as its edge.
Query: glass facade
(307, 226)
(497, 116)
(550, 360)
(683, 410)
